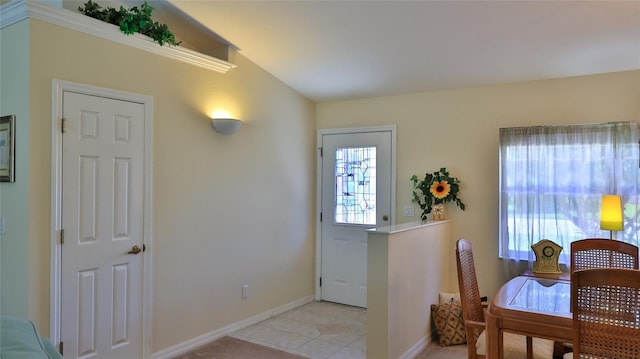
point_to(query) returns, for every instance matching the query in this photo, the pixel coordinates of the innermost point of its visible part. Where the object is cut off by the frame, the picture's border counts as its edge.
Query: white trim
(194, 343)
(334, 131)
(56, 213)
(417, 348)
(58, 89)
(18, 10)
(147, 264)
(318, 288)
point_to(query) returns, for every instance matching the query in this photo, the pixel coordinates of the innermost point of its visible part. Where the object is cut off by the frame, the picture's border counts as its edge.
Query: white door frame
(58, 88)
(336, 131)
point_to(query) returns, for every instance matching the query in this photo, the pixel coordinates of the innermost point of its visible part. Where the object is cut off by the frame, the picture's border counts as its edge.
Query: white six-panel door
(102, 219)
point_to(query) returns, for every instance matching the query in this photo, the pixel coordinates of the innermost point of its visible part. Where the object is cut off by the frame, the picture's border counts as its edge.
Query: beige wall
(239, 210)
(15, 264)
(228, 210)
(458, 129)
(407, 269)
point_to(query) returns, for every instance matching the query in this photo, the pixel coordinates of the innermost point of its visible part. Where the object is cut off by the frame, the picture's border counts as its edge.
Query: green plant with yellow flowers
(436, 188)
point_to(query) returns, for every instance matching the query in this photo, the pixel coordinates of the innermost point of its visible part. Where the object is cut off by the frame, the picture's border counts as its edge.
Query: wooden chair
(603, 253)
(515, 345)
(605, 303)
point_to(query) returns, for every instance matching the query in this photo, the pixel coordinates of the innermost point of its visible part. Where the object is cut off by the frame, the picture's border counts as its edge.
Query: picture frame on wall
(7, 148)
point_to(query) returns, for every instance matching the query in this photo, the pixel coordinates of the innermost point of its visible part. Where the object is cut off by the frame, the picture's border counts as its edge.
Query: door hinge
(61, 348)
(62, 124)
(321, 281)
(144, 247)
(320, 216)
(321, 151)
(62, 236)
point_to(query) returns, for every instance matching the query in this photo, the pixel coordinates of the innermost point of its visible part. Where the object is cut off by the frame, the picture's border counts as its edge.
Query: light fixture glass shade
(226, 126)
(611, 213)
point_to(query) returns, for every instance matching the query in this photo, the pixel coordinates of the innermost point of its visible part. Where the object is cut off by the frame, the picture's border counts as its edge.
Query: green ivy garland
(132, 20)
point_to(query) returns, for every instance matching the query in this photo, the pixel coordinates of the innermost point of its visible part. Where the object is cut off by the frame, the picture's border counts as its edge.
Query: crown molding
(18, 10)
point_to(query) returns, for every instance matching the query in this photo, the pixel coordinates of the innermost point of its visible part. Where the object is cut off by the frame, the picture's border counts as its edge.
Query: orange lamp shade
(611, 213)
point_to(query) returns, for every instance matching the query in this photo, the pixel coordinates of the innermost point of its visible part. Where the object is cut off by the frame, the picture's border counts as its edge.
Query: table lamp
(611, 214)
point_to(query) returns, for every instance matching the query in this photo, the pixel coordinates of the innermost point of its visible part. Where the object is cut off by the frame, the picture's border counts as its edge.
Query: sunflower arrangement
(436, 188)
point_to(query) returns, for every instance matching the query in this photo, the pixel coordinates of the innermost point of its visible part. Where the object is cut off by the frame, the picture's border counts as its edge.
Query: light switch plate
(408, 211)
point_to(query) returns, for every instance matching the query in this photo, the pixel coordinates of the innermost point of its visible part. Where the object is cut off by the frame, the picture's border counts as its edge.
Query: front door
(356, 194)
(102, 218)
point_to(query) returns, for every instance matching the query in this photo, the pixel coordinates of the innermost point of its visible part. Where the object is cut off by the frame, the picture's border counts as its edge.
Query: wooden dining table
(531, 306)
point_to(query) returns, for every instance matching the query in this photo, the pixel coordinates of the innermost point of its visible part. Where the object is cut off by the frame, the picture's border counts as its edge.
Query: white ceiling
(334, 50)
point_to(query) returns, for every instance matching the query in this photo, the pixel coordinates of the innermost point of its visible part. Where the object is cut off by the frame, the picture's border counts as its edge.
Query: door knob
(134, 250)
(385, 218)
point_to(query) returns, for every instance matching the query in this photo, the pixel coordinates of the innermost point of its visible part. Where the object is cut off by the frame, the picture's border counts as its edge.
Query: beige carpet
(232, 348)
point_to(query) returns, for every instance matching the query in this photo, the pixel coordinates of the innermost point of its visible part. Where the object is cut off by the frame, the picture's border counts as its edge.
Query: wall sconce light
(226, 126)
(611, 214)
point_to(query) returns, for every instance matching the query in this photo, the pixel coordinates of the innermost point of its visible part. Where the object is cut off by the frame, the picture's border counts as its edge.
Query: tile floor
(317, 330)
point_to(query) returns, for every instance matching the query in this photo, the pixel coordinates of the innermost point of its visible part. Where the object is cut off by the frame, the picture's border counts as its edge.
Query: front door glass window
(355, 185)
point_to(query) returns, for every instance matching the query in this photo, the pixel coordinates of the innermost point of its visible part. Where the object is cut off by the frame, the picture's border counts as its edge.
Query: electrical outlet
(245, 291)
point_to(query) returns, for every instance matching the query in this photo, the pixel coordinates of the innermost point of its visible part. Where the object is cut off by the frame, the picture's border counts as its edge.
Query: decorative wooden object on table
(547, 254)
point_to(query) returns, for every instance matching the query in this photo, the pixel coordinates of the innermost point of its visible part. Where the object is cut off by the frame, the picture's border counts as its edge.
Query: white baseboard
(416, 349)
(419, 347)
(194, 343)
